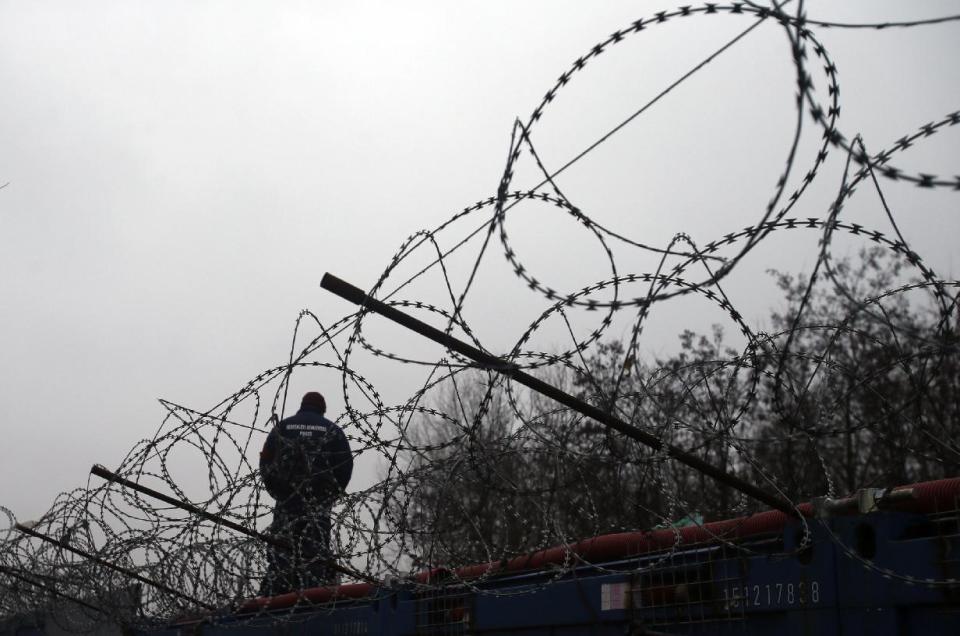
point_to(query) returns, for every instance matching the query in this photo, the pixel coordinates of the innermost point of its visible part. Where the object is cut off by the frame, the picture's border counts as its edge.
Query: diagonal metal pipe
(46, 588)
(113, 477)
(275, 541)
(112, 566)
(357, 296)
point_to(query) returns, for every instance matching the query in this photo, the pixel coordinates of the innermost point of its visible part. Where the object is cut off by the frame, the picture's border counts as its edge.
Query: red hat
(315, 400)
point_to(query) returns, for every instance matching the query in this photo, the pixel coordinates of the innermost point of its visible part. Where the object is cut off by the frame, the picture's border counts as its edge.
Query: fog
(180, 175)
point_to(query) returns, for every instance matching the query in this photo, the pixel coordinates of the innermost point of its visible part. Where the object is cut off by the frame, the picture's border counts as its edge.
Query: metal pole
(102, 472)
(13, 573)
(277, 542)
(112, 566)
(357, 296)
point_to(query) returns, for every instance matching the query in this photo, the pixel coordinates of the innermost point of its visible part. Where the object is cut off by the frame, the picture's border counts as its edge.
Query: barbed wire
(474, 468)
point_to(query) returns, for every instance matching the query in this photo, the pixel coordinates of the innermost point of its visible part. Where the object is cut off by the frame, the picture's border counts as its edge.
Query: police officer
(305, 465)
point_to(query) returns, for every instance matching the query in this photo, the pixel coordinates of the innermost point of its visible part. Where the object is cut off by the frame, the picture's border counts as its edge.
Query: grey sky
(181, 174)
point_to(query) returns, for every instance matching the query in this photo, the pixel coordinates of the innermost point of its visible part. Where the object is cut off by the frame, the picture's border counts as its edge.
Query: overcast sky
(181, 174)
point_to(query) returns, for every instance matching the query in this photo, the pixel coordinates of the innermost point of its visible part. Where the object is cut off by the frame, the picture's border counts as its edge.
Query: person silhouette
(305, 465)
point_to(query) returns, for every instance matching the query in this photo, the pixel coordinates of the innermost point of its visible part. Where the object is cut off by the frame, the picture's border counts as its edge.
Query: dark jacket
(306, 460)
